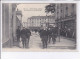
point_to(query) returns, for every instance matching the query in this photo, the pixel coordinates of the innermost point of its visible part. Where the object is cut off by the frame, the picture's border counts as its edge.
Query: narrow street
(35, 44)
(18, 17)
(64, 42)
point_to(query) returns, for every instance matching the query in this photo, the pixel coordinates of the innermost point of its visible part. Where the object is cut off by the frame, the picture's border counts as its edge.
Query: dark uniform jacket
(50, 32)
(44, 33)
(28, 33)
(18, 32)
(23, 33)
(54, 31)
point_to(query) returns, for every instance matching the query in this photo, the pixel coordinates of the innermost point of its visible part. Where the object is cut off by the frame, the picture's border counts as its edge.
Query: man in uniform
(54, 34)
(28, 34)
(49, 34)
(44, 37)
(18, 33)
(23, 36)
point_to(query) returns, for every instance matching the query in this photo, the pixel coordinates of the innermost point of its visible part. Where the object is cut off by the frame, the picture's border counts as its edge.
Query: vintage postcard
(39, 27)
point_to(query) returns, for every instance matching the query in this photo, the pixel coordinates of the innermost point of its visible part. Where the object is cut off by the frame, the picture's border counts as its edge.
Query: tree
(50, 8)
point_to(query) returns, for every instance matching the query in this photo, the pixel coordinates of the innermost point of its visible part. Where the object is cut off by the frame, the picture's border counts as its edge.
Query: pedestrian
(28, 34)
(40, 32)
(44, 37)
(23, 36)
(49, 35)
(54, 34)
(18, 33)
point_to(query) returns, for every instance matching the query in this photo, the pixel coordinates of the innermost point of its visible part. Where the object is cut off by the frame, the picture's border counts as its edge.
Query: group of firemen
(46, 34)
(24, 34)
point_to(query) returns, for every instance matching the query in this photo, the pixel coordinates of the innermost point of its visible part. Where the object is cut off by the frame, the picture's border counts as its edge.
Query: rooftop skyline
(29, 10)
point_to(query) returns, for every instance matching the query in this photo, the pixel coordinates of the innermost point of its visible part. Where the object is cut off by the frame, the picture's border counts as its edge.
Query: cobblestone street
(35, 44)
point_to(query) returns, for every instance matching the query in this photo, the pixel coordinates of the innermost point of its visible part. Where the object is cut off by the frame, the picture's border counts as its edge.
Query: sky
(29, 10)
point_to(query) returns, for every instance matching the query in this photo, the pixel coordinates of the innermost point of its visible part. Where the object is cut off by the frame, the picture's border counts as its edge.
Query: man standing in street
(23, 36)
(18, 33)
(54, 34)
(44, 37)
(49, 34)
(28, 34)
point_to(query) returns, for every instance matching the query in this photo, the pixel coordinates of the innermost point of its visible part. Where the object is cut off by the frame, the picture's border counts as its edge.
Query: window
(72, 9)
(66, 11)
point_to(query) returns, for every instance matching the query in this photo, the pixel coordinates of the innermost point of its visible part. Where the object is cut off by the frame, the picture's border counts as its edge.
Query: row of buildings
(65, 17)
(10, 22)
(36, 22)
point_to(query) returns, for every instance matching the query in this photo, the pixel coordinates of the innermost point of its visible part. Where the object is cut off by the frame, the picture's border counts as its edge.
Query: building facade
(24, 24)
(9, 24)
(65, 15)
(40, 21)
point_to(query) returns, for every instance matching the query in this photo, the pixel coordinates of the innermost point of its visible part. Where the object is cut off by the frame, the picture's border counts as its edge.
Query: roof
(42, 17)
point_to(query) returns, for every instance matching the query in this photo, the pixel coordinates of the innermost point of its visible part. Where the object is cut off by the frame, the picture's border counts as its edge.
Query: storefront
(67, 27)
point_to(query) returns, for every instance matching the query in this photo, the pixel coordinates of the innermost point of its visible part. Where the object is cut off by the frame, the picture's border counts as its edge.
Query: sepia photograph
(39, 27)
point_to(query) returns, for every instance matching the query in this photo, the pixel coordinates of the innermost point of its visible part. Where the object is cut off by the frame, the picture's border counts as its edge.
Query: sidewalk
(63, 44)
(35, 44)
